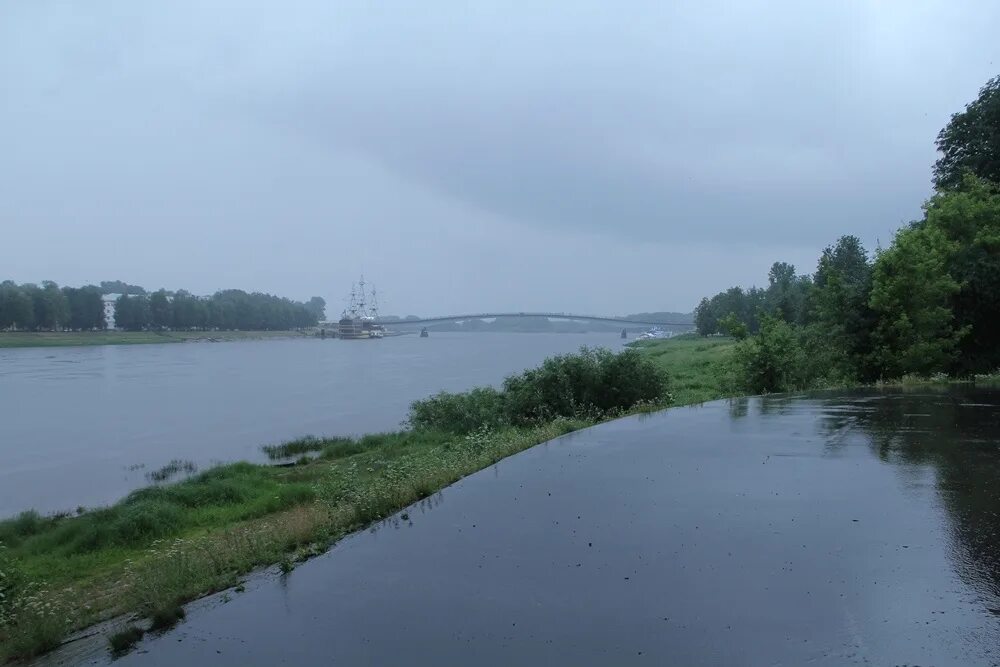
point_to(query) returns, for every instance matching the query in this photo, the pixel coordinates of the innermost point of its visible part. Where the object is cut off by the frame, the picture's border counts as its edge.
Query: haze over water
(84, 425)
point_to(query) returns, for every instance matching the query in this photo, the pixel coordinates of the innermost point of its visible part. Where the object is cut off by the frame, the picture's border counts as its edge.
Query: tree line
(927, 304)
(47, 307)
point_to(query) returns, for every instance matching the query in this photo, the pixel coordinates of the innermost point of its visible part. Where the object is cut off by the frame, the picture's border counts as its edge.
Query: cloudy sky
(592, 157)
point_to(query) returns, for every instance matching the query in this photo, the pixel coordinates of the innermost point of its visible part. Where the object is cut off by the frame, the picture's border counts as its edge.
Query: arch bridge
(551, 316)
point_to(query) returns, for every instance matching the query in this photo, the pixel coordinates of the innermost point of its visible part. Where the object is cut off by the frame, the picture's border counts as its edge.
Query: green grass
(692, 362)
(69, 338)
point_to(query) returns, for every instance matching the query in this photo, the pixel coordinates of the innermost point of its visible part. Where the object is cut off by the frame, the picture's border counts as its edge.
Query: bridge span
(551, 316)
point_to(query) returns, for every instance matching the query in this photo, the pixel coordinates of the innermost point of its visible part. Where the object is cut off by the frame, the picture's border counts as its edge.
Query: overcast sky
(590, 157)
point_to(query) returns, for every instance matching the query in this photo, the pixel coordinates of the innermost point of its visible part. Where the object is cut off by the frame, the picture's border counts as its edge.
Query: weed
(172, 469)
(122, 641)
(166, 617)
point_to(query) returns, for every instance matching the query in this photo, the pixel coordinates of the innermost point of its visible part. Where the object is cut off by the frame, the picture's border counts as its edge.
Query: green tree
(49, 305)
(787, 293)
(969, 217)
(733, 326)
(911, 297)
(839, 310)
(132, 312)
(160, 311)
(316, 307)
(16, 308)
(970, 142)
(86, 308)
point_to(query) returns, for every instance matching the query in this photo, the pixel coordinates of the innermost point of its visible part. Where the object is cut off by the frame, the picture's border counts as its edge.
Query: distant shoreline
(19, 339)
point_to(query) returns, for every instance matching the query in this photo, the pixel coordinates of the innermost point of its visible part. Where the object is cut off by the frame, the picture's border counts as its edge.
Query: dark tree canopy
(970, 143)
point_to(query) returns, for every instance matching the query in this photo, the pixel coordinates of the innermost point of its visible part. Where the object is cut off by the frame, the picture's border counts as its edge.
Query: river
(82, 426)
(830, 529)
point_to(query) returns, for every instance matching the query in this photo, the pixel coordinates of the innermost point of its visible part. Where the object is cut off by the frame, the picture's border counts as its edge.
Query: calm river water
(85, 425)
(833, 529)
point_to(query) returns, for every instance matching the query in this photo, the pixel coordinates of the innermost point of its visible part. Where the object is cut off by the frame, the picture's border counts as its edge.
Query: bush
(591, 384)
(771, 361)
(460, 413)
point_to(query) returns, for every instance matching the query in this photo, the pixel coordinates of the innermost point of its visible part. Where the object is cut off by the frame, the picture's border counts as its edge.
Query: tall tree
(969, 217)
(839, 306)
(86, 308)
(160, 312)
(970, 142)
(911, 297)
(16, 308)
(132, 312)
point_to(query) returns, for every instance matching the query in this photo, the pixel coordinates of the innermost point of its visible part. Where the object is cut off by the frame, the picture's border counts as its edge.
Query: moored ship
(360, 319)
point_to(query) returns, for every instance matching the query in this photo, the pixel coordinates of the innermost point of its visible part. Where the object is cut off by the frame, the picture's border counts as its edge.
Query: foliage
(911, 293)
(86, 308)
(771, 361)
(732, 325)
(119, 287)
(460, 412)
(785, 297)
(591, 384)
(226, 310)
(840, 317)
(969, 217)
(13, 586)
(970, 143)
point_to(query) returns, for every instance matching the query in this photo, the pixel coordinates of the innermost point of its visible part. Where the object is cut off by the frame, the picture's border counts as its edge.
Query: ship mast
(373, 310)
(360, 311)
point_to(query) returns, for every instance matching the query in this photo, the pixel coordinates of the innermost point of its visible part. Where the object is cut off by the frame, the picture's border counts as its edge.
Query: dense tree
(746, 305)
(317, 307)
(970, 143)
(160, 310)
(49, 305)
(16, 308)
(119, 287)
(132, 313)
(189, 312)
(86, 308)
(787, 293)
(911, 296)
(970, 219)
(839, 310)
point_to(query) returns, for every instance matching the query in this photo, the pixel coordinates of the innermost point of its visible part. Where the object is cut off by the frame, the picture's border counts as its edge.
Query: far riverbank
(10, 339)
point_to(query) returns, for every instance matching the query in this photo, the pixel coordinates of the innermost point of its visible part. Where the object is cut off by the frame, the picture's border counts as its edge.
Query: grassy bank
(147, 555)
(692, 362)
(68, 338)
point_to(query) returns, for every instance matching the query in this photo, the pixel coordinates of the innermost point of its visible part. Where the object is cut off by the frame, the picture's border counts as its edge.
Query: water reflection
(955, 434)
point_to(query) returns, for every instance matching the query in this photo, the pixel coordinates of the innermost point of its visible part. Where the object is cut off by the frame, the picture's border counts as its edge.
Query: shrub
(771, 361)
(122, 642)
(591, 384)
(460, 413)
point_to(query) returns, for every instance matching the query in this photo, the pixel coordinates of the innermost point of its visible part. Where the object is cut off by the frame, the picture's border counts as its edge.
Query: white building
(109, 309)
